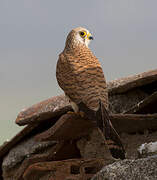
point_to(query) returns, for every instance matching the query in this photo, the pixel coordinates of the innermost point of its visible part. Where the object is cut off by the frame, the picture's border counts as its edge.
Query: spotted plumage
(81, 77)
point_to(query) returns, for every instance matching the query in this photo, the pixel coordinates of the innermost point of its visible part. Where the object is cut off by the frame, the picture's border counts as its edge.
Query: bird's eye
(82, 34)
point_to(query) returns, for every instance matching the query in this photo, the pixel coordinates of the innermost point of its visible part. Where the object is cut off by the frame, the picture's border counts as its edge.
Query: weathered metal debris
(70, 127)
(133, 103)
(141, 86)
(147, 106)
(55, 106)
(128, 83)
(72, 169)
(53, 154)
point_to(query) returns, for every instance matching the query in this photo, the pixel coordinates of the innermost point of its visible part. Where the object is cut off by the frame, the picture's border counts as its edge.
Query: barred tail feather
(102, 119)
(111, 136)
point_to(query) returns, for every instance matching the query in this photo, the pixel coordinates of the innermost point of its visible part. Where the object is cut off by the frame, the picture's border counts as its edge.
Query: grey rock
(24, 150)
(140, 169)
(147, 149)
(93, 146)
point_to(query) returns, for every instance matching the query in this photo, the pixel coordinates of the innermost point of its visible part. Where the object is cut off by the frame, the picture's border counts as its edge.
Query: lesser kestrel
(81, 77)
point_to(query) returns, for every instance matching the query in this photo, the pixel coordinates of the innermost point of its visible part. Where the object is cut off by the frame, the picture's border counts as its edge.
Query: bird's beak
(89, 36)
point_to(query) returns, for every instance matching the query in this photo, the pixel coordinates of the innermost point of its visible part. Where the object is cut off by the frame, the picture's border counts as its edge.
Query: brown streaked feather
(112, 138)
(82, 79)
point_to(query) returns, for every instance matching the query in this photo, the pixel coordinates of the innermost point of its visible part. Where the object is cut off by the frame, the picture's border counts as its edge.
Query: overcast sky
(33, 33)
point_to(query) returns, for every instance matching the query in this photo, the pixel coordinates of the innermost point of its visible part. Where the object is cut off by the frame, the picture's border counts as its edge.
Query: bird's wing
(82, 82)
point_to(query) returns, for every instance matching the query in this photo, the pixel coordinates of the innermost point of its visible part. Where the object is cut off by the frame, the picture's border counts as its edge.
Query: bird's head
(79, 36)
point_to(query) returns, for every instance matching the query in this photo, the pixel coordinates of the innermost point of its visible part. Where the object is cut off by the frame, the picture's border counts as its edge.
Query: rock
(16, 139)
(129, 169)
(21, 151)
(62, 150)
(147, 149)
(94, 147)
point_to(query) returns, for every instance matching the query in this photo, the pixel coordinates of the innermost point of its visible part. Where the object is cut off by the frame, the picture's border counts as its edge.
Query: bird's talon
(70, 112)
(80, 113)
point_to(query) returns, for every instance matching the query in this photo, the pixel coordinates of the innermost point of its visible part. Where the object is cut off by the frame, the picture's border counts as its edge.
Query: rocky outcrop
(129, 169)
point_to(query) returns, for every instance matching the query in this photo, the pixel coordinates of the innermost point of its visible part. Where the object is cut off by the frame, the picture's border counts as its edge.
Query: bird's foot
(80, 113)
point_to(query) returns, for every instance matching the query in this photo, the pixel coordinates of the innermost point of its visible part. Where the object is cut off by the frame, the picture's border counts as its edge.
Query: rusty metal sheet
(49, 108)
(59, 105)
(134, 123)
(69, 126)
(62, 150)
(146, 106)
(72, 169)
(123, 85)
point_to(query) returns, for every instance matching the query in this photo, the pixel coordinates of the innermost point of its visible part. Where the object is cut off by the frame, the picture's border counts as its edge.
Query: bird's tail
(112, 138)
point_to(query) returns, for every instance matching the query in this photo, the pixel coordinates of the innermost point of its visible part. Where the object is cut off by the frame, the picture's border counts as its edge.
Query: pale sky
(33, 33)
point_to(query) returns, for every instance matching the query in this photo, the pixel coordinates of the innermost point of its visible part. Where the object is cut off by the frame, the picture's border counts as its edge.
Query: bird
(80, 76)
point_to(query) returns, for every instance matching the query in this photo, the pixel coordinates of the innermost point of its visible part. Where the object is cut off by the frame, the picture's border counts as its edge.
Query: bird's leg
(76, 109)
